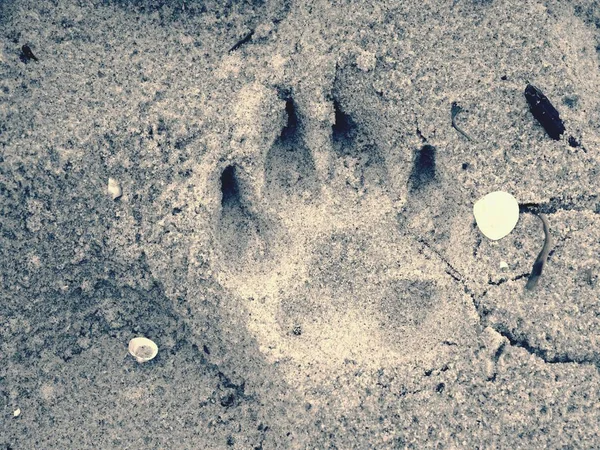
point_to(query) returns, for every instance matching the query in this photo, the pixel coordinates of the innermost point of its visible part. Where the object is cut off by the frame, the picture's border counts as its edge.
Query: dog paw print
(308, 237)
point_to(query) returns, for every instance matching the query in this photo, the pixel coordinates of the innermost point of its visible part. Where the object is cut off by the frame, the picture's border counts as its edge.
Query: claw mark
(423, 171)
(536, 272)
(344, 125)
(243, 235)
(454, 111)
(358, 152)
(289, 165)
(292, 119)
(229, 187)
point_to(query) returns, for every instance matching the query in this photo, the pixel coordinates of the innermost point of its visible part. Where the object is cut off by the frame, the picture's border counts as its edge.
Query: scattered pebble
(114, 188)
(503, 265)
(17, 412)
(142, 349)
(496, 214)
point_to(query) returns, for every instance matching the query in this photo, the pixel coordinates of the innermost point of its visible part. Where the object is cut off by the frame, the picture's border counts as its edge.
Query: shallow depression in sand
(340, 282)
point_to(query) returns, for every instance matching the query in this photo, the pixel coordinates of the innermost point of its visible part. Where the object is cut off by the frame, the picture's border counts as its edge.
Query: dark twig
(538, 265)
(242, 41)
(454, 111)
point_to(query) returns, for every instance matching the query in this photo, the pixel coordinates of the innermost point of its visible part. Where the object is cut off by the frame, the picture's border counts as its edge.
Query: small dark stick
(538, 265)
(544, 112)
(242, 41)
(454, 111)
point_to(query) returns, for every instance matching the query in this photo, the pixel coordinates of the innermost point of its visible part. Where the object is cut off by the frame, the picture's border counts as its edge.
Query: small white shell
(496, 214)
(114, 188)
(142, 349)
(17, 412)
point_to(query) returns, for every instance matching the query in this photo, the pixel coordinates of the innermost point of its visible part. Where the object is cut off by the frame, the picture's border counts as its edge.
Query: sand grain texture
(295, 226)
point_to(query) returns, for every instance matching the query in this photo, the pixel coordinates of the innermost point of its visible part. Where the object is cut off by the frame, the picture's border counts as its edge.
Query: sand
(294, 227)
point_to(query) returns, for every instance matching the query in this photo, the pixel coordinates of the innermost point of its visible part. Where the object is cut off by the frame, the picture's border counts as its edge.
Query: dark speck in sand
(573, 142)
(228, 400)
(27, 54)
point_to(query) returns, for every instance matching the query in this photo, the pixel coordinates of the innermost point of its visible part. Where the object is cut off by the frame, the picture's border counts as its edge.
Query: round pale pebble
(142, 349)
(496, 214)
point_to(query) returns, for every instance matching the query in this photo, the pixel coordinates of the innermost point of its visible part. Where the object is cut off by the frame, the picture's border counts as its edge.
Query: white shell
(496, 214)
(114, 188)
(142, 349)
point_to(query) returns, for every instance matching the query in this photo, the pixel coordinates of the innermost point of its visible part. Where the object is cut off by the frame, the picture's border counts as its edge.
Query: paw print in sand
(305, 219)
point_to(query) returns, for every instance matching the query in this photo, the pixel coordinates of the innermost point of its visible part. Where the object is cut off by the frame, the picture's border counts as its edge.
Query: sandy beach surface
(290, 220)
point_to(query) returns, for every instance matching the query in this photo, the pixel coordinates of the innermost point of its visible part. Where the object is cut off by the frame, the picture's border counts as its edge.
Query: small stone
(142, 349)
(17, 412)
(503, 265)
(114, 188)
(496, 214)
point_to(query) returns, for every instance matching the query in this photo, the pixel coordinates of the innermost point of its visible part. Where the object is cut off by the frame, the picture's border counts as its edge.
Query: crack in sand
(501, 329)
(554, 204)
(543, 354)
